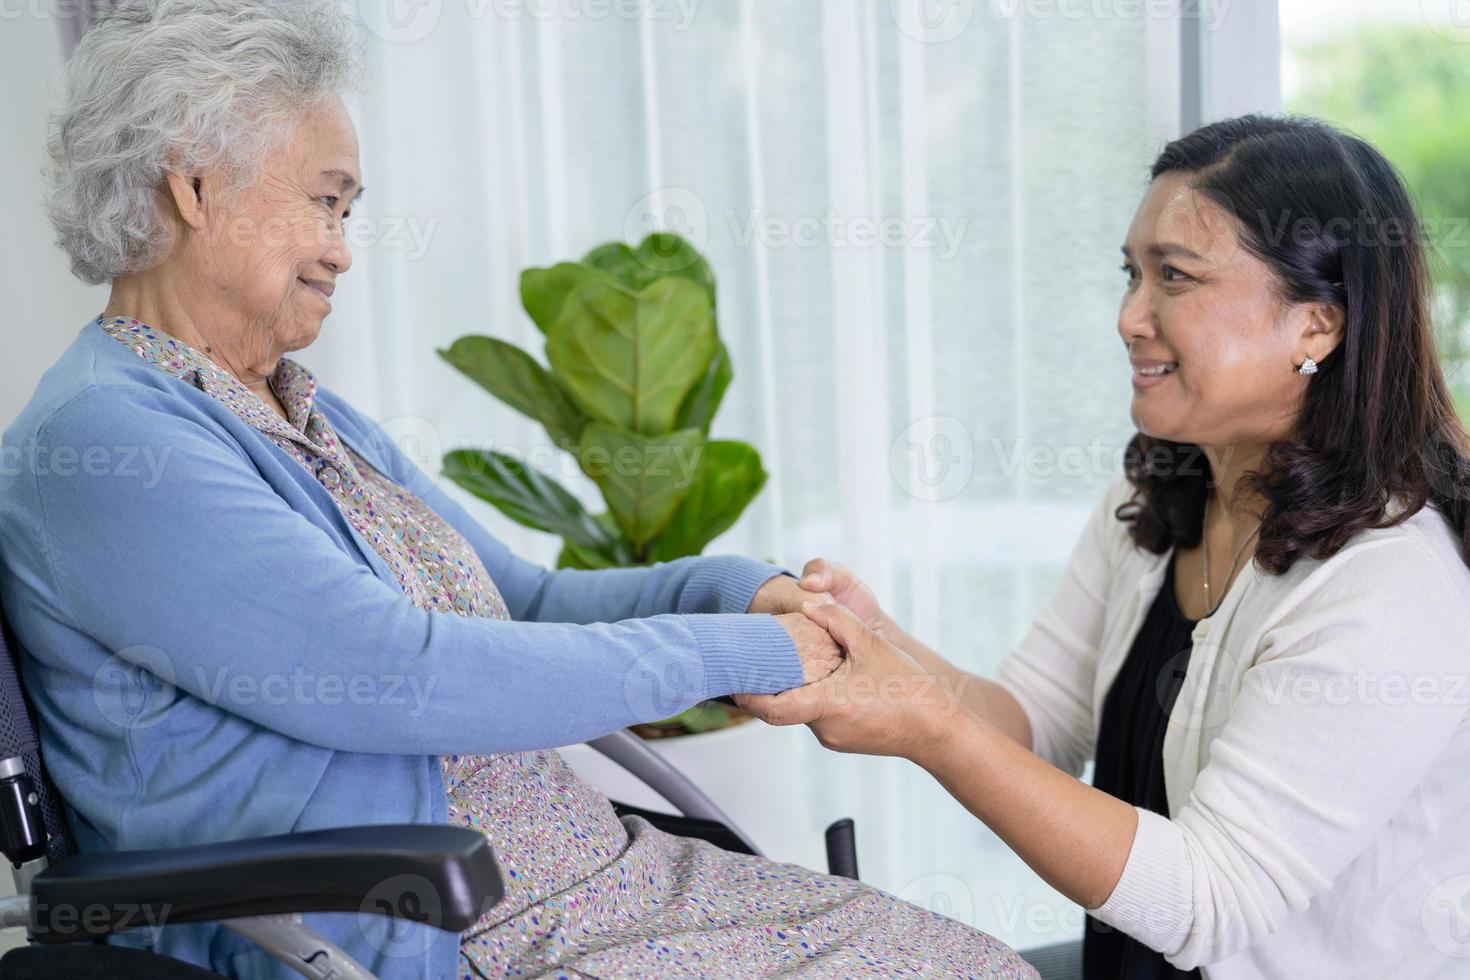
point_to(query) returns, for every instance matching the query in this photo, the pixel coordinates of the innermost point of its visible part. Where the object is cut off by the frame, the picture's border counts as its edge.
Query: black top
(1130, 765)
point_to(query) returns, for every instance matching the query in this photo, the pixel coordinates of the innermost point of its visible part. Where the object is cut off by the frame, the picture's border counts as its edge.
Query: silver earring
(1309, 366)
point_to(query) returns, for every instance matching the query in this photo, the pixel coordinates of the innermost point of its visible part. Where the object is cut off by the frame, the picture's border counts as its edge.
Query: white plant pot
(753, 771)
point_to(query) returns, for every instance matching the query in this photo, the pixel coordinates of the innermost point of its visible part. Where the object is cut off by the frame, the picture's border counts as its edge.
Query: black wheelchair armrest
(444, 876)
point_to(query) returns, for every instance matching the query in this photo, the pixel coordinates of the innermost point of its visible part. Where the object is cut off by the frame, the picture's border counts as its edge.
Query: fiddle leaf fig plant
(634, 373)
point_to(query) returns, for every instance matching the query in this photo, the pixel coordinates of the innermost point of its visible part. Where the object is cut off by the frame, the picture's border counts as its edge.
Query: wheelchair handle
(842, 849)
(22, 829)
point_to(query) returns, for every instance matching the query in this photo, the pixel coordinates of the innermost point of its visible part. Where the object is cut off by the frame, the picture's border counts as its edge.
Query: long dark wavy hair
(1331, 218)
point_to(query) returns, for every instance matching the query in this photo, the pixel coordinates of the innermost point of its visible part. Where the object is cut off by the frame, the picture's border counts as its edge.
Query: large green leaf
(568, 558)
(618, 554)
(703, 400)
(545, 291)
(660, 254)
(525, 496)
(619, 262)
(513, 376)
(667, 254)
(642, 478)
(730, 476)
(573, 556)
(630, 358)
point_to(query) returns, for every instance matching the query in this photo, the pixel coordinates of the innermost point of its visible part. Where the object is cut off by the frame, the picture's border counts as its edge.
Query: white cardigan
(1317, 761)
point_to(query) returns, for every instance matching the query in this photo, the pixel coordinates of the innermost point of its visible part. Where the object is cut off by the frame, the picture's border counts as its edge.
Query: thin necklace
(1204, 537)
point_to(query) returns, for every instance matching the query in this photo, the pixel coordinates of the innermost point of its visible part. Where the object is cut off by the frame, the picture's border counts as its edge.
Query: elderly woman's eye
(331, 200)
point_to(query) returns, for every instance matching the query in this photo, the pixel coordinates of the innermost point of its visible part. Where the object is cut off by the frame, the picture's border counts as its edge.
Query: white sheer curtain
(939, 408)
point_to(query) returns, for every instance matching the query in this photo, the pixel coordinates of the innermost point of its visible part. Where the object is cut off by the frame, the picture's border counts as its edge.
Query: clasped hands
(865, 690)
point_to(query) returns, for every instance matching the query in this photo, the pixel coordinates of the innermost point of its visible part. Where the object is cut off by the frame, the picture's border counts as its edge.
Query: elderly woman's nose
(338, 256)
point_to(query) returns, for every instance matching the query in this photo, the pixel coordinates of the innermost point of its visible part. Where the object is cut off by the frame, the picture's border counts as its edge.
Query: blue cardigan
(214, 653)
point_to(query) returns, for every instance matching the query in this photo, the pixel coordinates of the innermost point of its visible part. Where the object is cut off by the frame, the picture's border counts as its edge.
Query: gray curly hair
(176, 85)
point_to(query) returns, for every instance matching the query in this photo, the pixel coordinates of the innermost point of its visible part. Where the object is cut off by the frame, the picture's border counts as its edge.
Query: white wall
(43, 304)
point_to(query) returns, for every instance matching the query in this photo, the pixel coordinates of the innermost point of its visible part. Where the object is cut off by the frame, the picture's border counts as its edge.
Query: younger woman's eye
(1172, 274)
(1129, 271)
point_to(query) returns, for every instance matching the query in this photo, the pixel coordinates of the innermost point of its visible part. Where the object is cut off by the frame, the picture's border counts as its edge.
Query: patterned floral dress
(588, 894)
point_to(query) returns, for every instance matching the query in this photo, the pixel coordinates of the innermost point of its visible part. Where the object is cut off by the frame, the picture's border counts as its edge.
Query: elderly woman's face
(1198, 300)
(275, 257)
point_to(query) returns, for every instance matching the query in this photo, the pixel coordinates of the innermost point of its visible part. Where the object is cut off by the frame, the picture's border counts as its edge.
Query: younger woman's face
(1198, 304)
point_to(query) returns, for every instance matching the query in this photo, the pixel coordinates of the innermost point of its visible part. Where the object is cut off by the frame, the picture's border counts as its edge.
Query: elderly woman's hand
(879, 701)
(819, 653)
(782, 594)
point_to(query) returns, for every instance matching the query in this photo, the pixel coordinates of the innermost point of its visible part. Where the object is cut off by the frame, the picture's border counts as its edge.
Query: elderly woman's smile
(320, 288)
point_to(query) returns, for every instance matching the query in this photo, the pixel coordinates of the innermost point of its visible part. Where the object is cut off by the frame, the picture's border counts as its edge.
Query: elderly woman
(1280, 786)
(245, 612)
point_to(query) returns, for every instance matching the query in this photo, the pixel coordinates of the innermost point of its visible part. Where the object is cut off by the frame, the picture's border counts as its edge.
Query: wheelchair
(260, 888)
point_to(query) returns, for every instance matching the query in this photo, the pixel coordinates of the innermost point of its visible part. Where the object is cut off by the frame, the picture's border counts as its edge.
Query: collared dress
(587, 894)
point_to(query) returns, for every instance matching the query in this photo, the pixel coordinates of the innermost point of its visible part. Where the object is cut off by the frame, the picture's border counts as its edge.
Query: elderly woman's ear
(186, 191)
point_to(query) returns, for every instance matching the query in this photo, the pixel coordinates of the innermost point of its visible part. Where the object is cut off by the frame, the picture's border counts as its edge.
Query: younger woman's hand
(879, 701)
(837, 581)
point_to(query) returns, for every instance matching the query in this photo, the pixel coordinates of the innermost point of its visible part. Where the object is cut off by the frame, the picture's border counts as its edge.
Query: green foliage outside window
(1404, 88)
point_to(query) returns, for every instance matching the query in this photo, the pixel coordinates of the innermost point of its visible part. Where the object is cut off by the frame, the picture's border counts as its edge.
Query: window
(1398, 74)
